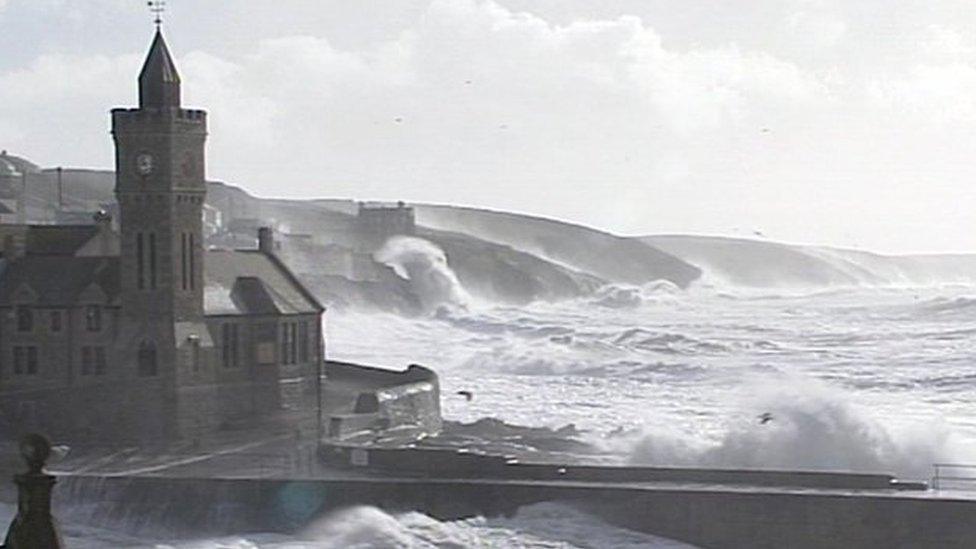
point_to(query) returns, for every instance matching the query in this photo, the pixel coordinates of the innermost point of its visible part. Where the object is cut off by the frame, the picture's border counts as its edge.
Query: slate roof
(159, 66)
(59, 280)
(58, 239)
(159, 83)
(22, 165)
(242, 282)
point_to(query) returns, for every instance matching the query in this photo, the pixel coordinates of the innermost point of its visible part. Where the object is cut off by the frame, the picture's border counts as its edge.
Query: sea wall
(362, 399)
(446, 463)
(704, 516)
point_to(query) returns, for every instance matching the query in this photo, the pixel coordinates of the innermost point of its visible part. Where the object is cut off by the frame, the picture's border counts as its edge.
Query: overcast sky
(819, 121)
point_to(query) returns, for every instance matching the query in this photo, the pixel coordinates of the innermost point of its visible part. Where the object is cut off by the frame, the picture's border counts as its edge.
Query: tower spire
(159, 82)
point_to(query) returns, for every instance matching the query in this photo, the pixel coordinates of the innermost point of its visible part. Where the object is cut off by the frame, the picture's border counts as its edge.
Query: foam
(813, 427)
(425, 265)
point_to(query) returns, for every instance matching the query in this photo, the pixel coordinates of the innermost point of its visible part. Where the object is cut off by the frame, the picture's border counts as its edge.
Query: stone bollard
(33, 527)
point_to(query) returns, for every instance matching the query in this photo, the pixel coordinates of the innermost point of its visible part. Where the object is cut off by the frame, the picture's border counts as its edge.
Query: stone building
(143, 334)
(378, 221)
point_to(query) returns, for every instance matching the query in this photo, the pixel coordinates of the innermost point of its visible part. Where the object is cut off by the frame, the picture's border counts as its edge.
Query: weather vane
(157, 7)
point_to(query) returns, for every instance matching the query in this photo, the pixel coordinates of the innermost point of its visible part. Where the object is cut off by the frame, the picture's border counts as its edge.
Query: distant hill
(610, 257)
(489, 270)
(758, 263)
(513, 258)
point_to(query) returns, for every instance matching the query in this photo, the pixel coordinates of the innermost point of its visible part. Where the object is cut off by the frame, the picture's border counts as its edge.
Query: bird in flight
(765, 418)
(466, 394)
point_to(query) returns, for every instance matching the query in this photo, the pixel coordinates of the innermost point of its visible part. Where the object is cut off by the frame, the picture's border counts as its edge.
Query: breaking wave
(544, 525)
(425, 266)
(800, 424)
(946, 305)
(622, 296)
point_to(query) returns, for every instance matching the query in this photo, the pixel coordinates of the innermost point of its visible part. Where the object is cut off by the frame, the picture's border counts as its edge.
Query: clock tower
(160, 188)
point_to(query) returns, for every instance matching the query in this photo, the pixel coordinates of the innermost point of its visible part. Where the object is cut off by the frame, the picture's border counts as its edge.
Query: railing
(958, 476)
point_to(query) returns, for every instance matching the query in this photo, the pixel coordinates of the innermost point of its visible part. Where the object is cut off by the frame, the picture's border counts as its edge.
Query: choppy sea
(863, 379)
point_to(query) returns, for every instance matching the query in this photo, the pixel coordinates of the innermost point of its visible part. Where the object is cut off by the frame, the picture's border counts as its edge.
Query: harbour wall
(704, 515)
(368, 399)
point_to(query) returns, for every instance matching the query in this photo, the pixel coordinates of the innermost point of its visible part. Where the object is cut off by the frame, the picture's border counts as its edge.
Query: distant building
(143, 333)
(11, 188)
(378, 221)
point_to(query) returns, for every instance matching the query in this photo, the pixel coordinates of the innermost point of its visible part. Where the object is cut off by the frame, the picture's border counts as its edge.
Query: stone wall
(705, 516)
(362, 398)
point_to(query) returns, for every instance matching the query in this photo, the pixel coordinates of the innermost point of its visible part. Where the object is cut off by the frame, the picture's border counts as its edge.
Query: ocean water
(857, 379)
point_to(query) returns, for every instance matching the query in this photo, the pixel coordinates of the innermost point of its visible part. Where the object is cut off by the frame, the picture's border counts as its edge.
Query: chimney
(266, 240)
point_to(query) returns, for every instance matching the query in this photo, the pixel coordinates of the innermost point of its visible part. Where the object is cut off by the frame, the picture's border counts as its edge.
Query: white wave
(425, 265)
(624, 296)
(545, 525)
(811, 427)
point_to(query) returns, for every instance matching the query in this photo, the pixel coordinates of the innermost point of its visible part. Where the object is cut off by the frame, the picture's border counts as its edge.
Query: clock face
(144, 163)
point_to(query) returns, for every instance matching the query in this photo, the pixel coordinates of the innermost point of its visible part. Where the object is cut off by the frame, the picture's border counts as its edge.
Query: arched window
(25, 319)
(93, 318)
(147, 359)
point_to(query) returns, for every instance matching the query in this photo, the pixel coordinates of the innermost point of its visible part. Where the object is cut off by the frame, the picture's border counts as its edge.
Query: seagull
(466, 394)
(765, 130)
(398, 120)
(765, 418)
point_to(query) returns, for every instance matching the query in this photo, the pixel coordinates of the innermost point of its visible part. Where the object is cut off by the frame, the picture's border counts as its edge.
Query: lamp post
(33, 527)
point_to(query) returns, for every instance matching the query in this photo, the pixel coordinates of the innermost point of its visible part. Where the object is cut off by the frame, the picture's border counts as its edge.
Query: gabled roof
(159, 82)
(253, 296)
(59, 281)
(250, 282)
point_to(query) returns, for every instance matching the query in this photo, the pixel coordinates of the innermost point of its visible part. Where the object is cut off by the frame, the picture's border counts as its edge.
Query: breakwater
(705, 514)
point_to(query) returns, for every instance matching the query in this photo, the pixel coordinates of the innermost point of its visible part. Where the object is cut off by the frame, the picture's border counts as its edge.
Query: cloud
(943, 43)
(607, 120)
(934, 94)
(816, 27)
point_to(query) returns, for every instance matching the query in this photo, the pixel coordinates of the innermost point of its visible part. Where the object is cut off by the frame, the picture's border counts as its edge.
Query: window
(230, 345)
(147, 359)
(93, 361)
(25, 361)
(55, 321)
(152, 261)
(184, 261)
(93, 318)
(87, 361)
(284, 343)
(140, 265)
(193, 266)
(303, 342)
(25, 319)
(289, 342)
(100, 362)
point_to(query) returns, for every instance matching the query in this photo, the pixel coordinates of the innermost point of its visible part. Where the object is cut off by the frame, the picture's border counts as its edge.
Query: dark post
(60, 191)
(33, 527)
(266, 241)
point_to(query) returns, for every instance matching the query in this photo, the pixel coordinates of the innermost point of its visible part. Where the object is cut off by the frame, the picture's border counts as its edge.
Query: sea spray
(796, 423)
(425, 265)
